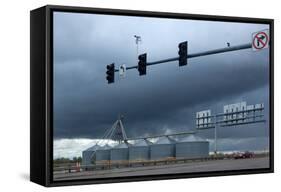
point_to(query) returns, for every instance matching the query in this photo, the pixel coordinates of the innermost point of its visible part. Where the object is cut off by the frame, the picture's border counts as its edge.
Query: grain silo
(187, 148)
(87, 155)
(163, 148)
(102, 155)
(139, 151)
(119, 153)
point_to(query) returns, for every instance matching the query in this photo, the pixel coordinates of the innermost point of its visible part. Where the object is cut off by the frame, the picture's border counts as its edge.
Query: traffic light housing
(183, 53)
(110, 73)
(142, 64)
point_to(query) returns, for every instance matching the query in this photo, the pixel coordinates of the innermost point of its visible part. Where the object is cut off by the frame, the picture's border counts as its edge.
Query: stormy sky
(167, 98)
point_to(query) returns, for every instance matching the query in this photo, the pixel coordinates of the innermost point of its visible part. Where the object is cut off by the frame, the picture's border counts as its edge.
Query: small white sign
(122, 70)
(260, 40)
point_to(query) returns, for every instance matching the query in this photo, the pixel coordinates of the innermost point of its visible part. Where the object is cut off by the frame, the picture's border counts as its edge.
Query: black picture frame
(41, 101)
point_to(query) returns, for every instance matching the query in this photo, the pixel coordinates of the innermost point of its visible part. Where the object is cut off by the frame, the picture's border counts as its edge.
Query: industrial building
(102, 155)
(120, 153)
(163, 148)
(87, 155)
(140, 150)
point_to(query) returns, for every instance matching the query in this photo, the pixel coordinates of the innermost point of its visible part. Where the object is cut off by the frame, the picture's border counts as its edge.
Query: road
(191, 167)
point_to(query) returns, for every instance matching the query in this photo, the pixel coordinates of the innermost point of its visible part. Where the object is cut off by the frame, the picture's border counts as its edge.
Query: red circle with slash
(258, 40)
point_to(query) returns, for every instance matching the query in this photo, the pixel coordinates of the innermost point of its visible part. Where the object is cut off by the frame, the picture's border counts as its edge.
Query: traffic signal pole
(200, 54)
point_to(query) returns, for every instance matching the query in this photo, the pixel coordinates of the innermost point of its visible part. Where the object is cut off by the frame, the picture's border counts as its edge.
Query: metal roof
(105, 147)
(121, 146)
(191, 138)
(93, 148)
(141, 143)
(165, 140)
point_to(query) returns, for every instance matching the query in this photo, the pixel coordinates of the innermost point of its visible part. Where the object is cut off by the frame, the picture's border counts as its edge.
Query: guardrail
(112, 165)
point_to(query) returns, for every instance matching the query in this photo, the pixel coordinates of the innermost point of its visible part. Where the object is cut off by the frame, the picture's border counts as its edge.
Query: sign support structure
(234, 114)
(216, 140)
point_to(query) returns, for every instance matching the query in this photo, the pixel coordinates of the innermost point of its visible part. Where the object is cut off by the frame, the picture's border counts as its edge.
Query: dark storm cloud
(168, 97)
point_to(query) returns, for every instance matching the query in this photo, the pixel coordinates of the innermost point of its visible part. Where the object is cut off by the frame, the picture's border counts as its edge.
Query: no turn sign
(122, 71)
(260, 40)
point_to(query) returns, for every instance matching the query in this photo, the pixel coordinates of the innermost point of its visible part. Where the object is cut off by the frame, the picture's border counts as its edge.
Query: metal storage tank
(102, 155)
(88, 154)
(163, 148)
(191, 149)
(119, 153)
(139, 151)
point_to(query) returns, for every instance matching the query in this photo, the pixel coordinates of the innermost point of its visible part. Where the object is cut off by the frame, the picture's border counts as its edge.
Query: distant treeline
(67, 160)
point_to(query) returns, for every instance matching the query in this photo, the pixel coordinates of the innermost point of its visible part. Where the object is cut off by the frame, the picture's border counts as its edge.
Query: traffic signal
(110, 73)
(142, 64)
(183, 53)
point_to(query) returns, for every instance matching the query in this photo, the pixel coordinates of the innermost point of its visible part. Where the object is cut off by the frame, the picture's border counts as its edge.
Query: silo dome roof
(140, 143)
(165, 140)
(93, 148)
(191, 138)
(121, 145)
(105, 147)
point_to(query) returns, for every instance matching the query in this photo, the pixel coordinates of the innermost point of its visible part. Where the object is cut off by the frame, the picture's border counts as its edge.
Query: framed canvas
(125, 95)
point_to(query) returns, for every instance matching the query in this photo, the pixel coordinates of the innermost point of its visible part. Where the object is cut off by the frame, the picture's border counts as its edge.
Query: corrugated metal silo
(102, 155)
(88, 154)
(163, 148)
(186, 149)
(119, 153)
(140, 150)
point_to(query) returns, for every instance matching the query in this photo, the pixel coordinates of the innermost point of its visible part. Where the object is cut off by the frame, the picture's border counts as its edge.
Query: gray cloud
(168, 96)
